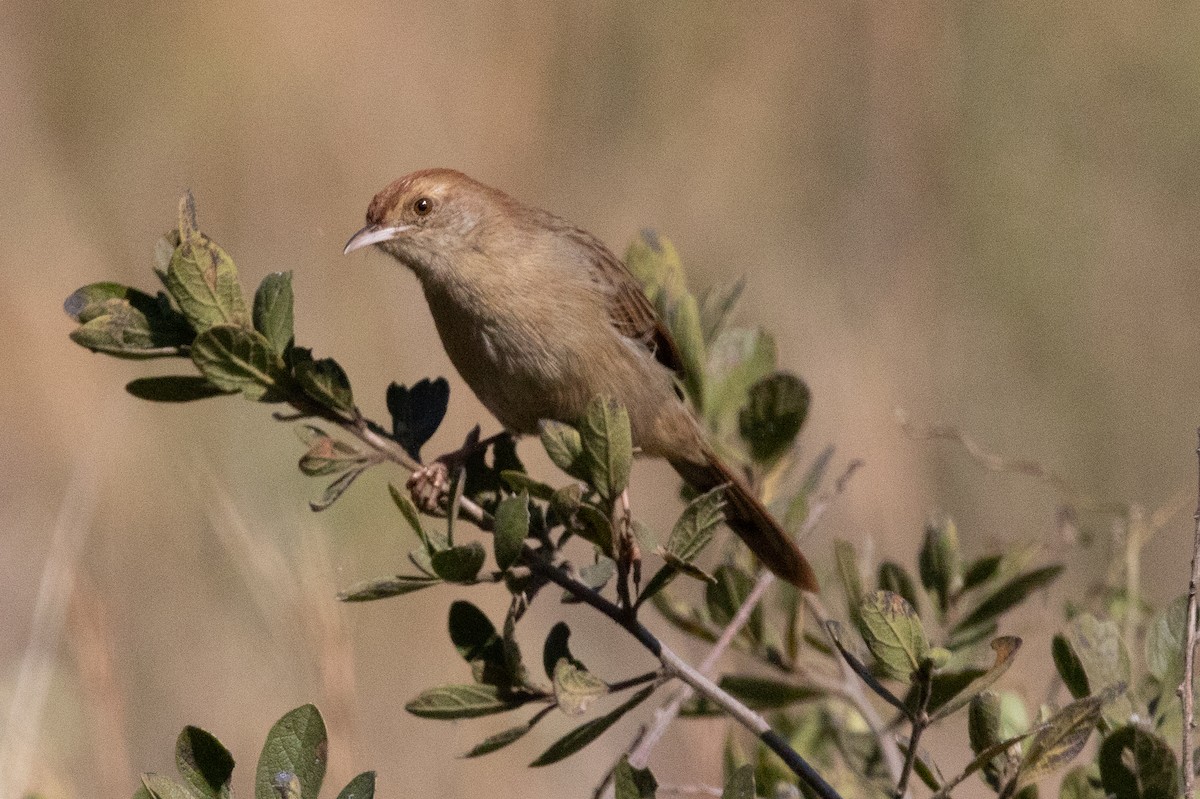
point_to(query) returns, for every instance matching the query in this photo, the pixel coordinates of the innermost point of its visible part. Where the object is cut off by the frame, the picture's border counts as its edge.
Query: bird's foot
(429, 485)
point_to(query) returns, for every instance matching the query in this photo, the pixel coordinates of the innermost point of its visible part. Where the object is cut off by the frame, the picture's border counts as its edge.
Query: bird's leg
(430, 484)
(629, 555)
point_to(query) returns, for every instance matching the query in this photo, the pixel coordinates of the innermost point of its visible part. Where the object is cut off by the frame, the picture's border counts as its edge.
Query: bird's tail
(750, 519)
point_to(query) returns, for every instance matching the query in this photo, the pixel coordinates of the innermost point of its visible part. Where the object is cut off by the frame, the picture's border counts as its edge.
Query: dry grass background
(984, 213)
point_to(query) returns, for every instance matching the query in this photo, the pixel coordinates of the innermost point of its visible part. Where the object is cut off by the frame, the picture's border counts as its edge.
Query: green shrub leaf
(774, 412)
(1137, 764)
(417, 412)
(460, 564)
(384, 587)
(893, 633)
(236, 359)
(511, 529)
(204, 763)
(462, 702)
(607, 447)
(273, 311)
(297, 745)
(585, 733)
(173, 388)
(361, 787)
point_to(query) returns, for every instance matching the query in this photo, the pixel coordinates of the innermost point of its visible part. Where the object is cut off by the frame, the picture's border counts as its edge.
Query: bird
(539, 317)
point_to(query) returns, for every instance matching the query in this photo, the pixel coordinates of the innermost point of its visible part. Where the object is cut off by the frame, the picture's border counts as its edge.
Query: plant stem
(920, 722)
(678, 667)
(1186, 693)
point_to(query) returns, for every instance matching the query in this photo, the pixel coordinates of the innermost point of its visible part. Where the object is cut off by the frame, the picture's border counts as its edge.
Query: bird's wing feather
(630, 310)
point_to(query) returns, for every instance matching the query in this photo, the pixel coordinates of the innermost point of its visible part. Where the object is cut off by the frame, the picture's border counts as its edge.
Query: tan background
(985, 213)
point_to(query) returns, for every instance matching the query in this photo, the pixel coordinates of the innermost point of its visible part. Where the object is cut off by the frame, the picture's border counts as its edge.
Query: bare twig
(998, 463)
(920, 722)
(639, 755)
(850, 689)
(1189, 652)
(678, 667)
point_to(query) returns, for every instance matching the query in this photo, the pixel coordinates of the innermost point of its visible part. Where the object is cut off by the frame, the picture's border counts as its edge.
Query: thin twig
(1189, 650)
(851, 690)
(678, 667)
(639, 755)
(920, 722)
(998, 463)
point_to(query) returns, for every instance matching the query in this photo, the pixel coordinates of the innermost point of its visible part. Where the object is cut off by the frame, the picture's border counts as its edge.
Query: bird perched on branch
(539, 318)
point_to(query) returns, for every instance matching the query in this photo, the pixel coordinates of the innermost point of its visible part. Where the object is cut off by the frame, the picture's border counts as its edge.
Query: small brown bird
(539, 318)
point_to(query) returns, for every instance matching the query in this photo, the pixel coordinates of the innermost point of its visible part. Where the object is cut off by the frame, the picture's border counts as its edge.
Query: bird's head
(425, 217)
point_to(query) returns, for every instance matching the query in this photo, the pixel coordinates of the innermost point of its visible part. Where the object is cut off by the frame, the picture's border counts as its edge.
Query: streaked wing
(631, 311)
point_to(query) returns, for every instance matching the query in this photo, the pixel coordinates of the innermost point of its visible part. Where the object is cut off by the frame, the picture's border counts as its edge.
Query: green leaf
(1137, 764)
(696, 525)
(1061, 738)
(326, 382)
(893, 633)
(235, 359)
(763, 693)
(503, 738)
(736, 360)
(512, 527)
(460, 564)
(1101, 652)
(556, 648)
(683, 319)
(173, 388)
(361, 787)
(409, 511)
(1005, 649)
(893, 577)
(203, 763)
(773, 415)
(940, 561)
(1008, 596)
(740, 784)
(273, 314)
(1165, 641)
(127, 323)
(993, 719)
(633, 783)
(716, 303)
(417, 412)
(1069, 667)
(462, 702)
(607, 446)
(520, 481)
(575, 687)
(384, 587)
(334, 490)
(476, 640)
(585, 733)
(296, 745)
(204, 282)
(326, 455)
(1082, 782)
(981, 571)
(859, 668)
(847, 569)
(160, 787)
(564, 445)
(654, 262)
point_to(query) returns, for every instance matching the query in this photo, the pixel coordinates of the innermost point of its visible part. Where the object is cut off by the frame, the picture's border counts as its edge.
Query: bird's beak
(373, 234)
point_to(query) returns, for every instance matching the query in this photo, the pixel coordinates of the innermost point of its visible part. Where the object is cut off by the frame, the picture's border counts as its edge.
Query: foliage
(291, 765)
(924, 643)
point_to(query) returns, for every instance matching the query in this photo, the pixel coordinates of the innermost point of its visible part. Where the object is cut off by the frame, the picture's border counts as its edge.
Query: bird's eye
(423, 206)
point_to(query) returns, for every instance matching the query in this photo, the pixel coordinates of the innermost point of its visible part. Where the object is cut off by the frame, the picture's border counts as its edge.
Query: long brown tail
(752, 522)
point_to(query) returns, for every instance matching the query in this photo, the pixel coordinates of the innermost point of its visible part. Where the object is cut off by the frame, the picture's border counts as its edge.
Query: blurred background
(982, 213)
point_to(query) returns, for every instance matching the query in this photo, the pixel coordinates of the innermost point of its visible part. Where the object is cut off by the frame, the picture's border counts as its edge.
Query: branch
(677, 667)
(1186, 693)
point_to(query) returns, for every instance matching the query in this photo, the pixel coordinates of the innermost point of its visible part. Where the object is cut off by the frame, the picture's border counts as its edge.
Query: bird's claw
(429, 485)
